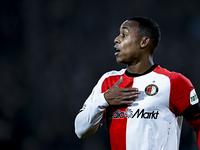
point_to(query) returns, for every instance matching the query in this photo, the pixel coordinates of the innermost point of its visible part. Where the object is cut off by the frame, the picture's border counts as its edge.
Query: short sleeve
(182, 93)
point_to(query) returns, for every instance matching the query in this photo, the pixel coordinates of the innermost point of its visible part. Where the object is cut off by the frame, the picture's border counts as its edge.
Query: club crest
(151, 90)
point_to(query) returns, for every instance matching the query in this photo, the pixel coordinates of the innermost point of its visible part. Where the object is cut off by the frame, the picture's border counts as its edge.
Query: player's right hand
(121, 96)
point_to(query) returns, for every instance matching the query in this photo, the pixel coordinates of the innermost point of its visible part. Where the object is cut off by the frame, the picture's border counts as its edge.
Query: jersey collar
(137, 75)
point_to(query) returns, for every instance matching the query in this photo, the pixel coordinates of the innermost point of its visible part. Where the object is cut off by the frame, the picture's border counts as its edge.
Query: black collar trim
(137, 75)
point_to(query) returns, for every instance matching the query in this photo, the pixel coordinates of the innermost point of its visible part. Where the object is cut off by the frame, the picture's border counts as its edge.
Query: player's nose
(117, 40)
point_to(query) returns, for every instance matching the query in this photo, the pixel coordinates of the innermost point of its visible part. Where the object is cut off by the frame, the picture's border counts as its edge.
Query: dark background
(52, 53)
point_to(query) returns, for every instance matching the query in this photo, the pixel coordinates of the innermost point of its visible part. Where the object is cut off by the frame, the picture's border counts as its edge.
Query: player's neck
(141, 67)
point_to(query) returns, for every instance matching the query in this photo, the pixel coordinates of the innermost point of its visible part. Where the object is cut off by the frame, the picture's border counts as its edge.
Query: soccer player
(143, 104)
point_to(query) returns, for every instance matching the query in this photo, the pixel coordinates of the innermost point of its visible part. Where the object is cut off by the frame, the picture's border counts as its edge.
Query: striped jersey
(153, 121)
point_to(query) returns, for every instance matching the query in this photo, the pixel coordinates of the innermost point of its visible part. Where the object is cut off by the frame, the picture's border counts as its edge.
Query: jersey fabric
(152, 122)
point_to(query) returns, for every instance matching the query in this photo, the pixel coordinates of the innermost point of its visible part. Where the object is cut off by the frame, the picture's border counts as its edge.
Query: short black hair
(148, 27)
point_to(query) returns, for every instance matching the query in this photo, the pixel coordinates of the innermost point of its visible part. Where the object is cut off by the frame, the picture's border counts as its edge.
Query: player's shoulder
(174, 76)
(114, 73)
(111, 73)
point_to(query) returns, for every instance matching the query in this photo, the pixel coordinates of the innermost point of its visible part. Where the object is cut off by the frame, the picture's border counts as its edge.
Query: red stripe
(117, 125)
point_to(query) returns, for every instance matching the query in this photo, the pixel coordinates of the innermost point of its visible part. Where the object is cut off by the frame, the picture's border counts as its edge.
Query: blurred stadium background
(52, 53)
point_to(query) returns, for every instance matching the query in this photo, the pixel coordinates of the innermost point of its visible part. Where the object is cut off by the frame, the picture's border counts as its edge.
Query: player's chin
(120, 60)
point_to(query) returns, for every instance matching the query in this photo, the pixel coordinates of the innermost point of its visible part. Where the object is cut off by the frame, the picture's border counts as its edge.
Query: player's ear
(144, 42)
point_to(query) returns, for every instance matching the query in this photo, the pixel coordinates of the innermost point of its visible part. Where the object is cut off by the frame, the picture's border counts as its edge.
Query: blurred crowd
(52, 53)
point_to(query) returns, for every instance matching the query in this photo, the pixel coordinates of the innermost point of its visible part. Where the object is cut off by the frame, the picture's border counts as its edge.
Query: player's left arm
(184, 101)
(192, 116)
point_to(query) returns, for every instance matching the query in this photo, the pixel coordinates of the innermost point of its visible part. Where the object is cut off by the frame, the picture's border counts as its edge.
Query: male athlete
(143, 104)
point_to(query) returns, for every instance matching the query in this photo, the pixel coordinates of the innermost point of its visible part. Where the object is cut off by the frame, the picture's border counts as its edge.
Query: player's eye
(124, 35)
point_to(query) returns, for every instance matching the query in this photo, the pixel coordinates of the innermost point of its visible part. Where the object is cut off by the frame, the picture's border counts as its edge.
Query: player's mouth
(117, 51)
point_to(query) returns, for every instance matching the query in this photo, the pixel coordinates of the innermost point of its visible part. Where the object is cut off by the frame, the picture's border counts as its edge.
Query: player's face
(127, 44)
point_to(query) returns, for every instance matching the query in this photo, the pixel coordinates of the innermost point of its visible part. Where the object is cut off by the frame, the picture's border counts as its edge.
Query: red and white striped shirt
(152, 122)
